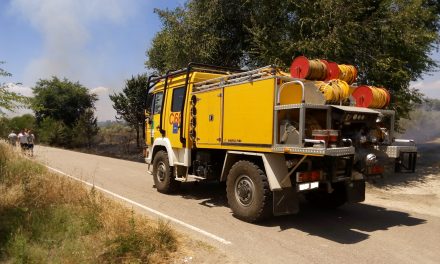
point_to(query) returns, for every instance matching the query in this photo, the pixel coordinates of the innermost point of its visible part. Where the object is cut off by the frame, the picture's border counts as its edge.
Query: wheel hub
(244, 190)
(161, 171)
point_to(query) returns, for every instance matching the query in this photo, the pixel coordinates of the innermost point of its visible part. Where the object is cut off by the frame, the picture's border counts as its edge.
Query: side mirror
(148, 120)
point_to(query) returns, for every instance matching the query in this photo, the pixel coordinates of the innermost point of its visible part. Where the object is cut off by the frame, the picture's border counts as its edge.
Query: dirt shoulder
(417, 192)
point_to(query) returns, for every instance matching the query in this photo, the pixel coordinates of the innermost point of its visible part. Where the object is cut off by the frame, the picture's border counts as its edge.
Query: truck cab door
(153, 119)
(173, 115)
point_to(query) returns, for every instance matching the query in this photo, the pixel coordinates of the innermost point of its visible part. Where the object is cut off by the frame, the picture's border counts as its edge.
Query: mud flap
(355, 191)
(406, 162)
(285, 201)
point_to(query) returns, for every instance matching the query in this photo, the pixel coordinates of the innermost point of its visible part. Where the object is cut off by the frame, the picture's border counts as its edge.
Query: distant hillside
(108, 123)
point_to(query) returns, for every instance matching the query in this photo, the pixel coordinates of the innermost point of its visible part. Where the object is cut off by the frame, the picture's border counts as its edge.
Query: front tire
(247, 188)
(162, 173)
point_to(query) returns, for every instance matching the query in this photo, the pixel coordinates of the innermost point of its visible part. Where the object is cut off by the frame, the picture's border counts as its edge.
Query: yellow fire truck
(270, 136)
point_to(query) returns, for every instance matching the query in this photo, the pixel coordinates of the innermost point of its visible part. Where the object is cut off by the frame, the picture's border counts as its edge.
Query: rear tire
(249, 196)
(162, 173)
(326, 200)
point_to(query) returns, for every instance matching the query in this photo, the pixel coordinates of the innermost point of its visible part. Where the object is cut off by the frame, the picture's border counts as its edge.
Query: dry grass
(46, 218)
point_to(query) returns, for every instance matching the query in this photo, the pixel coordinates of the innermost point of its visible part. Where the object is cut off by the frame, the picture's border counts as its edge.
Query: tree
(389, 41)
(5, 129)
(206, 31)
(9, 100)
(129, 104)
(26, 121)
(54, 133)
(60, 106)
(85, 129)
(61, 100)
(16, 124)
(378, 37)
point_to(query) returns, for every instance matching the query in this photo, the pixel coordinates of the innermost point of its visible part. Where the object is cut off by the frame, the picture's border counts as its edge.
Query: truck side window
(148, 103)
(176, 104)
(157, 105)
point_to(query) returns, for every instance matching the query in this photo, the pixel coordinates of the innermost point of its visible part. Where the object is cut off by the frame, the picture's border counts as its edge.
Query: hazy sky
(99, 43)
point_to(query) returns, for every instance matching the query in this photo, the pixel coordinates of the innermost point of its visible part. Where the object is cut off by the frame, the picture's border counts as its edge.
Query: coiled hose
(334, 91)
(347, 73)
(371, 96)
(320, 70)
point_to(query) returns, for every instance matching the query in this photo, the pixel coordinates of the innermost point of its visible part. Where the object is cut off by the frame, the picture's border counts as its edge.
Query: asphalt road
(361, 233)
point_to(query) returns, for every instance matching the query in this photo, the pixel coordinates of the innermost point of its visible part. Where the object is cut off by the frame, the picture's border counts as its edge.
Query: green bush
(54, 132)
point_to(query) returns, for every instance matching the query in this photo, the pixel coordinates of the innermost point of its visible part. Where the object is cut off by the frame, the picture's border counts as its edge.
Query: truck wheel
(328, 200)
(162, 173)
(249, 196)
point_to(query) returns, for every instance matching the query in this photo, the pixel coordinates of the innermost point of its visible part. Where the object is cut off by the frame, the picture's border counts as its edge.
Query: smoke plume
(65, 27)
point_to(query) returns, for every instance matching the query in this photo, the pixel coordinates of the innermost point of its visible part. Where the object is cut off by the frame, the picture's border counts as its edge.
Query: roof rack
(235, 78)
(200, 67)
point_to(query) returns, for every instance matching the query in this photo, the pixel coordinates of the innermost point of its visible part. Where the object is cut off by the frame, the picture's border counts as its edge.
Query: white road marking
(172, 219)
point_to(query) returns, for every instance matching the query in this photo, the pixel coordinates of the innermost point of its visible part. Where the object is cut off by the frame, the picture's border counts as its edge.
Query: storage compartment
(248, 113)
(207, 117)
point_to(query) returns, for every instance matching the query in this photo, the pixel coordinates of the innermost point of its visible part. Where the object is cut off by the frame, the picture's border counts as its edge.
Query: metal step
(190, 178)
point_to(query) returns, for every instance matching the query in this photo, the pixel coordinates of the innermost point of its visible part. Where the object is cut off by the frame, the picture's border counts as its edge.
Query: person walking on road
(12, 137)
(22, 138)
(30, 140)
